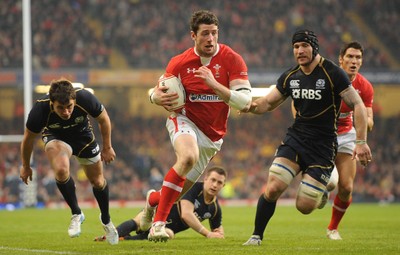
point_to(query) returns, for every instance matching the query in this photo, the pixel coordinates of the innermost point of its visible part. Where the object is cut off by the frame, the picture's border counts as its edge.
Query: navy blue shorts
(315, 157)
(83, 145)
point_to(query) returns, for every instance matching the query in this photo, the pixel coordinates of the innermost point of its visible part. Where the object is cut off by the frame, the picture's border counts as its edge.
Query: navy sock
(265, 211)
(67, 190)
(125, 228)
(102, 197)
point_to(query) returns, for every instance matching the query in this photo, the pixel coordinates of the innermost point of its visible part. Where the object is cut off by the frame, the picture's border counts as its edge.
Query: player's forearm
(370, 118)
(26, 152)
(193, 222)
(105, 129)
(27, 148)
(203, 231)
(260, 106)
(221, 91)
(268, 102)
(360, 122)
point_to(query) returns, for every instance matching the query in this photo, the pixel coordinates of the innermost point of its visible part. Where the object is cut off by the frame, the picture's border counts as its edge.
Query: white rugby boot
(157, 232)
(333, 234)
(74, 229)
(111, 233)
(148, 214)
(254, 240)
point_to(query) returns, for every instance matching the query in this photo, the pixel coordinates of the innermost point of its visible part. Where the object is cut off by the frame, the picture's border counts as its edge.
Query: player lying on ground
(198, 204)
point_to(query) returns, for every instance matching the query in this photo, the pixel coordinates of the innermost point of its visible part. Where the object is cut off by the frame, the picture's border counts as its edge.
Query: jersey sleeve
(216, 221)
(367, 94)
(238, 67)
(89, 103)
(38, 116)
(342, 80)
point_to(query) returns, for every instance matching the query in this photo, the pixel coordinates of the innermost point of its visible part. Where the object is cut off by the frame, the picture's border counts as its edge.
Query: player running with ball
(215, 79)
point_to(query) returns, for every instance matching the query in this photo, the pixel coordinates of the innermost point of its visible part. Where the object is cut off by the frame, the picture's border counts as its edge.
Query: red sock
(154, 198)
(170, 190)
(338, 210)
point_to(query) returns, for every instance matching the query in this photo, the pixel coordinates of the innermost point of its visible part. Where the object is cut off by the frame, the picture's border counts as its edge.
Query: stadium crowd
(76, 33)
(143, 154)
(83, 34)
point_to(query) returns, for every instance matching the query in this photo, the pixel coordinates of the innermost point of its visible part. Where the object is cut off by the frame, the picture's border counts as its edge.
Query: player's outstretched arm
(362, 151)
(107, 153)
(26, 152)
(188, 216)
(268, 102)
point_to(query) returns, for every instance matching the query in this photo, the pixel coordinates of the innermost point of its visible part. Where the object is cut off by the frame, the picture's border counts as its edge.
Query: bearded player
(215, 79)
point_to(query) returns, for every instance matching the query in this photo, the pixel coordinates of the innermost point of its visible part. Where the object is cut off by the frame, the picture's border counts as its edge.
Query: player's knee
(187, 161)
(98, 184)
(273, 191)
(282, 172)
(305, 206)
(345, 189)
(280, 176)
(61, 170)
(308, 197)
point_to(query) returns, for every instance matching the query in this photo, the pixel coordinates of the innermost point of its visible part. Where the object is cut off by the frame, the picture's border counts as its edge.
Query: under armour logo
(191, 70)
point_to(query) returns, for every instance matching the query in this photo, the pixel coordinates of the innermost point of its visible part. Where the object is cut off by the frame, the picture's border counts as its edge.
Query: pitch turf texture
(366, 229)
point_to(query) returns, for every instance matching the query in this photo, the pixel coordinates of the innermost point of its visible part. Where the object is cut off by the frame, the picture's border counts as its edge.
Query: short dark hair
(61, 91)
(202, 17)
(218, 169)
(354, 44)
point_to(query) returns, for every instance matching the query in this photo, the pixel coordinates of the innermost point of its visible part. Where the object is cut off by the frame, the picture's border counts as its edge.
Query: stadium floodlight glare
(260, 92)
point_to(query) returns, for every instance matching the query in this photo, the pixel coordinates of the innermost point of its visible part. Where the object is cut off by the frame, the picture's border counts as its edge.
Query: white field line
(35, 250)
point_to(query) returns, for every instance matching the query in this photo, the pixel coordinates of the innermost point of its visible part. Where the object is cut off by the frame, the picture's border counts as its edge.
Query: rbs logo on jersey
(306, 94)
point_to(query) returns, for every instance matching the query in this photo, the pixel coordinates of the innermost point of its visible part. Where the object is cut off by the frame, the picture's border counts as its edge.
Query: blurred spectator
(250, 150)
(82, 34)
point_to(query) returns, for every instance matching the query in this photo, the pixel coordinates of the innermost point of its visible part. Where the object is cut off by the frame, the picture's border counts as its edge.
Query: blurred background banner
(120, 48)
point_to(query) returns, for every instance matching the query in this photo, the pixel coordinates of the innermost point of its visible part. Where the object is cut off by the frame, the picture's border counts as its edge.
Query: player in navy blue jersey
(198, 204)
(317, 86)
(61, 117)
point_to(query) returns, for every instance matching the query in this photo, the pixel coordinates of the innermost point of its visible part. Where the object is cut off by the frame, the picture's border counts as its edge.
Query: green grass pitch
(366, 229)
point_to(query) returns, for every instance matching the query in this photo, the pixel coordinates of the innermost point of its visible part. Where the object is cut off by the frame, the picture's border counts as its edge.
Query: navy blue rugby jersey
(202, 210)
(316, 98)
(43, 118)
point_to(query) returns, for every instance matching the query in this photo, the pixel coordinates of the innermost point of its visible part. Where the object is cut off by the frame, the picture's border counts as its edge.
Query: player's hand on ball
(169, 93)
(167, 100)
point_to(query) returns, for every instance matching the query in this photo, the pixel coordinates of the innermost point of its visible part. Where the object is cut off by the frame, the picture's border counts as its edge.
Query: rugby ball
(174, 84)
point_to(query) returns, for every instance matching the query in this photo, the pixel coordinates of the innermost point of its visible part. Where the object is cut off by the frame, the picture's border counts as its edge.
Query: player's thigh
(58, 149)
(207, 150)
(183, 136)
(186, 146)
(346, 167)
(281, 173)
(94, 173)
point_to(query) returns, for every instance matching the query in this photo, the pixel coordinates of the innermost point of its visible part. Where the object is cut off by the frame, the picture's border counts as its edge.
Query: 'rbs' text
(306, 94)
